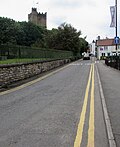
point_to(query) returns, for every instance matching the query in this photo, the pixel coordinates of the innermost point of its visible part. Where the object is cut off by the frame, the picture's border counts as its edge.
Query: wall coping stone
(27, 63)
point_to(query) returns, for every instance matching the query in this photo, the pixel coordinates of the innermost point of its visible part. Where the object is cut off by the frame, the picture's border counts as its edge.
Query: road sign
(116, 40)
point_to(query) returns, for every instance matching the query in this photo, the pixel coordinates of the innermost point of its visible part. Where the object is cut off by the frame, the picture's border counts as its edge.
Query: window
(103, 54)
(105, 47)
(118, 46)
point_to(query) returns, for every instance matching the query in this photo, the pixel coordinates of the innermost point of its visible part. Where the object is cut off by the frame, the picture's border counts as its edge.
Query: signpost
(116, 40)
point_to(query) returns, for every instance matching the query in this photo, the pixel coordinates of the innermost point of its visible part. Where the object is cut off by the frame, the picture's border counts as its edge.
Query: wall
(17, 72)
(107, 50)
(92, 48)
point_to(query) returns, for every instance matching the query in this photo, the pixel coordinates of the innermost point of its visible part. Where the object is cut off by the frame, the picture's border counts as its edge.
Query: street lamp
(116, 23)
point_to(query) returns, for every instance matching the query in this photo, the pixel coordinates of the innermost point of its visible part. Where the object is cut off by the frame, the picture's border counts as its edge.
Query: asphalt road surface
(61, 109)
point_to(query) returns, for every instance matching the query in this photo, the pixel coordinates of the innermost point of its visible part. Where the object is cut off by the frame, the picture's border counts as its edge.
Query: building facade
(92, 47)
(106, 47)
(39, 19)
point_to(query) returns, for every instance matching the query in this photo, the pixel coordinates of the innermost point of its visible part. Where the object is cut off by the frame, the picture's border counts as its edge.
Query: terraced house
(106, 47)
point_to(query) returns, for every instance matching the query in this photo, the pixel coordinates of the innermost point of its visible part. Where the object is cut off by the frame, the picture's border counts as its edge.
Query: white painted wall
(92, 48)
(107, 50)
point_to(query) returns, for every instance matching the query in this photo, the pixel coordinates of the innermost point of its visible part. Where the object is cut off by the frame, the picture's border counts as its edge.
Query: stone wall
(16, 72)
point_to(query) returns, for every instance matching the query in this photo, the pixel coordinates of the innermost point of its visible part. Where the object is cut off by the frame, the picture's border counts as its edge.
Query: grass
(13, 61)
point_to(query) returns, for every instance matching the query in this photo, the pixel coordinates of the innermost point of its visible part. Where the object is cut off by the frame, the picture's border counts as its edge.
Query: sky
(91, 17)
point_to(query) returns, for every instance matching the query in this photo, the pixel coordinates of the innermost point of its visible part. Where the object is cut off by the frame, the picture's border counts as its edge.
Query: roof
(105, 42)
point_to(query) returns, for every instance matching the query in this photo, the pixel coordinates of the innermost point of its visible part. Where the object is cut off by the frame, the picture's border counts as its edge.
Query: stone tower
(38, 18)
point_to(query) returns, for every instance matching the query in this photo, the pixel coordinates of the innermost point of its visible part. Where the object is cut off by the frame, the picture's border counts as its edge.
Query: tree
(31, 33)
(65, 38)
(7, 31)
(83, 45)
(20, 33)
(51, 38)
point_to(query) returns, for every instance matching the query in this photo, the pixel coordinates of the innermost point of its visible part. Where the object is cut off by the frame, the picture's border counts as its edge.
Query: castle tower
(38, 18)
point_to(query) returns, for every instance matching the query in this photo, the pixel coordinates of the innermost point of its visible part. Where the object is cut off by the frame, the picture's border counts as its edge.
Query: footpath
(110, 80)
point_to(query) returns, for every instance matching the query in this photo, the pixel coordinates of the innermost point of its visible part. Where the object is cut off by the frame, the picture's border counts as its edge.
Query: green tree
(7, 31)
(68, 38)
(83, 45)
(31, 33)
(65, 38)
(51, 38)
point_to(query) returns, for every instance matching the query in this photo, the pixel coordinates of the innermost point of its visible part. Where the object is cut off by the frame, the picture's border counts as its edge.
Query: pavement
(110, 80)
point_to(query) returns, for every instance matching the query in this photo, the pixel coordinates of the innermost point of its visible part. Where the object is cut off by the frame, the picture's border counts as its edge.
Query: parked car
(86, 56)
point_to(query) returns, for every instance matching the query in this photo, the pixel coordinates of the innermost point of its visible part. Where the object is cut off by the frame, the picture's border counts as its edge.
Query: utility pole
(116, 23)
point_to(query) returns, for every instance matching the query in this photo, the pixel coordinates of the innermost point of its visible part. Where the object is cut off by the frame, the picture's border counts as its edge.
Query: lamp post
(116, 23)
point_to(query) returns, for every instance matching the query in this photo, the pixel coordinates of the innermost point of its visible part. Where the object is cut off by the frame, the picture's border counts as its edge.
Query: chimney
(98, 37)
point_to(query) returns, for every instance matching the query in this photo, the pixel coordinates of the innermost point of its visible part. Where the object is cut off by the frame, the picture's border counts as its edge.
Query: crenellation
(38, 18)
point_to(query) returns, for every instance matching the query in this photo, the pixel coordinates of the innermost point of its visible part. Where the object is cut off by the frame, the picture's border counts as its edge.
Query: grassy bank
(13, 61)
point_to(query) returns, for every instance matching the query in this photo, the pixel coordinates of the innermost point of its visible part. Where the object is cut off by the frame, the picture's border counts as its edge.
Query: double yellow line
(78, 138)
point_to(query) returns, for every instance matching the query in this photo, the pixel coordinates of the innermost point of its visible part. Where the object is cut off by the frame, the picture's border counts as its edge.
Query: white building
(106, 47)
(92, 47)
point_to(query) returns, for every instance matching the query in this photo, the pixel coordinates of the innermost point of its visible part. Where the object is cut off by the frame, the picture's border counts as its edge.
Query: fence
(10, 52)
(113, 61)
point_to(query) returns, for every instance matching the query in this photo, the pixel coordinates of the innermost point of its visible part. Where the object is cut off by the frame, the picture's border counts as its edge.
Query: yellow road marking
(78, 138)
(91, 118)
(32, 82)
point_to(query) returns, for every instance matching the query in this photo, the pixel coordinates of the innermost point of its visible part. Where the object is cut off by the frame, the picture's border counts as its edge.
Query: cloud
(92, 17)
(65, 3)
(58, 20)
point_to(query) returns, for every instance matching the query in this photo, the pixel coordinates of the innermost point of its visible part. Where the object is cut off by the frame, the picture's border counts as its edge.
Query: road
(61, 109)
